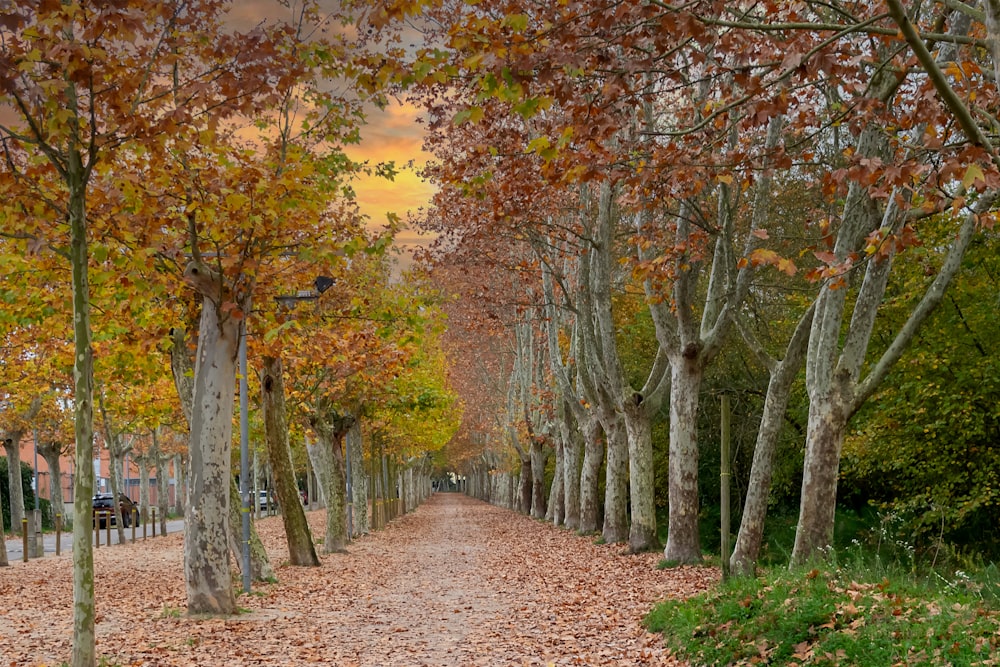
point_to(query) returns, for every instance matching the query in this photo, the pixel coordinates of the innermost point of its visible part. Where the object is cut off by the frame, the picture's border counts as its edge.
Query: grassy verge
(838, 616)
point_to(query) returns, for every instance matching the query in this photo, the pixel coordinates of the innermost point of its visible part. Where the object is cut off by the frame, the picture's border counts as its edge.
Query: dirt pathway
(457, 582)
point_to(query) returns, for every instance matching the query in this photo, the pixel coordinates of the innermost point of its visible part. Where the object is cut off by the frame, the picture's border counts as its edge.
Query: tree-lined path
(456, 582)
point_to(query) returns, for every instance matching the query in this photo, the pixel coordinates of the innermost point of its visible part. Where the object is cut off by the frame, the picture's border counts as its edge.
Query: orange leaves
(764, 256)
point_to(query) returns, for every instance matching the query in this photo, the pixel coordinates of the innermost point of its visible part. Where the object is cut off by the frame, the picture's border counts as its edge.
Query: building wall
(102, 483)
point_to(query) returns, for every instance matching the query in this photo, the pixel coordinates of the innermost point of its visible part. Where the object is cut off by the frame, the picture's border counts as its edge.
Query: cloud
(392, 134)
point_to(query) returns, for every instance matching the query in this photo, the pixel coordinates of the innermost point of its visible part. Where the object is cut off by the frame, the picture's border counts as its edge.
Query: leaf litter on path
(456, 582)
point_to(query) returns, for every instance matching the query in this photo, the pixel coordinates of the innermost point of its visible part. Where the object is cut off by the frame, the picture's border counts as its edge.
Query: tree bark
(359, 485)
(328, 460)
(642, 527)
(590, 471)
(12, 445)
(538, 498)
(556, 507)
(52, 452)
(616, 479)
(178, 485)
(746, 552)
(571, 473)
(143, 463)
(301, 551)
(524, 484)
(683, 539)
(11, 441)
(207, 568)
(184, 376)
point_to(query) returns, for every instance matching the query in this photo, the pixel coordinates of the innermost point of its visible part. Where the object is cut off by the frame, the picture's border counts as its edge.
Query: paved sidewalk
(15, 546)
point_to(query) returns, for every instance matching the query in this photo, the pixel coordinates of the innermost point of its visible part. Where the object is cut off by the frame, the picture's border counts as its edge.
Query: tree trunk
(207, 568)
(184, 376)
(143, 464)
(84, 611)
(52, 453)
(556, 508)
(616, 480)
(524, 485)
(642, 528)
(821, 468)
(178, 486)
(537, 456)
(115, 465)
(571, 475)
(162, 489)
(12, 445)
(328, 460)
(359, 485)
(683, 538)
(746, 552)
(593, 457)
(300, 545)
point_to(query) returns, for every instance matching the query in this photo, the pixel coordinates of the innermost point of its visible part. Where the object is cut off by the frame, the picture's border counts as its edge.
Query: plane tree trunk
(300, 545)
(183, 372)
(327, 455)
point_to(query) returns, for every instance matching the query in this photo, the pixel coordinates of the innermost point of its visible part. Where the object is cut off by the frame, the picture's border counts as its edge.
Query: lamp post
(289, 301)
(245, 455)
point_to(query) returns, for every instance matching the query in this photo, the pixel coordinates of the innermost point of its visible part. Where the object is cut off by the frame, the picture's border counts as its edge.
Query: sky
(391, 134)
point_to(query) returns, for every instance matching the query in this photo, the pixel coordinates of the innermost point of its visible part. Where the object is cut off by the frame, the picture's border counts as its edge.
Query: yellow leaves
(973, 174)
(235, 201)
(473, 114)
(538, 145)
(764, 256)
(516, 22)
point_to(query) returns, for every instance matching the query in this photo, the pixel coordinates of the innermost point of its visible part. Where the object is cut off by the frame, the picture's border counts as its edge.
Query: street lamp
(245, 455)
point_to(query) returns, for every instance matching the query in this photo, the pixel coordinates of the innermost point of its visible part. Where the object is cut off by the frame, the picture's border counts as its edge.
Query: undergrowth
(837, 616)
(875, 600)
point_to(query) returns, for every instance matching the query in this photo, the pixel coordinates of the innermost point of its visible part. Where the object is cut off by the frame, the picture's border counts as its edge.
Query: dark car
(103, 507)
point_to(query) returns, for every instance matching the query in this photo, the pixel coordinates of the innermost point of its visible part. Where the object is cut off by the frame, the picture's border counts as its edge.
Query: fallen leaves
(455, 582)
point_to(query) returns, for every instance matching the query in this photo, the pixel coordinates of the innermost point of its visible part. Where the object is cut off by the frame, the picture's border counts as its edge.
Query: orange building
(130, 482)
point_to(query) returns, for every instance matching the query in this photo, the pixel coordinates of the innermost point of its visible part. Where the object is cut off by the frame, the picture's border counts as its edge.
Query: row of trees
(172, 185)
(756, 173)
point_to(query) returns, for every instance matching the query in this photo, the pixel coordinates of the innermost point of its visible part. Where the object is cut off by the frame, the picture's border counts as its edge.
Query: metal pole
(350, 488)
(725, 481)
(245, 456)
(34, 437)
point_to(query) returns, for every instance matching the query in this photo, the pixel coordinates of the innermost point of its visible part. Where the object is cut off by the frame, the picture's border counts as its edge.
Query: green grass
(837, 616)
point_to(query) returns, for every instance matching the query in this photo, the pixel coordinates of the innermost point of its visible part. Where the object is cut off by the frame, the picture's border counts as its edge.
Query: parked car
(104, 503)
(262, 500)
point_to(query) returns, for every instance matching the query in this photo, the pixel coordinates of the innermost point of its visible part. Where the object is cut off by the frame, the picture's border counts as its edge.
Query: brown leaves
(456, 582)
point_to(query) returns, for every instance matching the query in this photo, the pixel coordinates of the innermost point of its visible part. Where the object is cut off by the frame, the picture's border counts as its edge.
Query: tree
(57, 57)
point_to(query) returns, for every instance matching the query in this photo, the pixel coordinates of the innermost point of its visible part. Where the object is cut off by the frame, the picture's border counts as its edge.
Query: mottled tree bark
(207, 568)
(359, 484)
(183, 372)
(590, 476)
(279, 454)
(328, 460)
(683, 539)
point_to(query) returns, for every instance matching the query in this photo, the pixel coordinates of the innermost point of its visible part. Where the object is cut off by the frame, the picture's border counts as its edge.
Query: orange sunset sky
(391, 134)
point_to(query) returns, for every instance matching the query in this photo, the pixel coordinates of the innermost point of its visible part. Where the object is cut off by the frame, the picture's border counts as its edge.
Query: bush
(29, 496)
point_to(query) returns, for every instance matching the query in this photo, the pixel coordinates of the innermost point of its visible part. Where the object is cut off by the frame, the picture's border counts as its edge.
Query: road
(15, 546)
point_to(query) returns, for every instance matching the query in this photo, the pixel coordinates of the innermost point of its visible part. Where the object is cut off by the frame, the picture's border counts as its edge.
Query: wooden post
(724, 491)
(107, 524)
(134, 515)
(97, 529)
(38, 543)
(58, 532)
(154, 521)
(24, 538)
